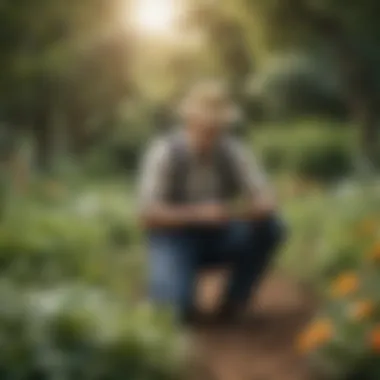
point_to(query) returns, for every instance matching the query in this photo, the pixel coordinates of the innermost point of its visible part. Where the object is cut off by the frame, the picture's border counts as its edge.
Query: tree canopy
(72, 71)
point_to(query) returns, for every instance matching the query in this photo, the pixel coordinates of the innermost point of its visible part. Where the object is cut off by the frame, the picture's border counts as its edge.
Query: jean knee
(170, 270)
(275, 230)
(279, 231)
(161, 283)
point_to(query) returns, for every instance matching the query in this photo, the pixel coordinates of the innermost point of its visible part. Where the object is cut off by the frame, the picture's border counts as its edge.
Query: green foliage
(334, 246)
(120, 151)
(312, 151)
(69, 272)
(344, 338)
(68, 68)
(77, 79)
(296, 85)
(65, 238)
(326, 227)
(77, 332)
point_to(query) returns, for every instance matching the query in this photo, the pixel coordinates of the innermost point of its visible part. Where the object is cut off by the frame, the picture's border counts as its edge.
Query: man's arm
(155, 212)
(162, 215)
(258, 198)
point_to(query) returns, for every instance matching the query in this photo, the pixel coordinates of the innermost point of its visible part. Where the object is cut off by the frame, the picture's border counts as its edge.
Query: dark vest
(180, 169)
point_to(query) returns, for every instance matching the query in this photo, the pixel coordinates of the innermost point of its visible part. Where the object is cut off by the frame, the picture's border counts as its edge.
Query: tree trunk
(42, 128)
(41, 132)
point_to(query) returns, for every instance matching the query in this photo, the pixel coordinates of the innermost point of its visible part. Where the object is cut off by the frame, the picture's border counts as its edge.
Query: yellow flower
(345, 284)
(362, 310)
(374, 339)
(375, 253)
(315, 335)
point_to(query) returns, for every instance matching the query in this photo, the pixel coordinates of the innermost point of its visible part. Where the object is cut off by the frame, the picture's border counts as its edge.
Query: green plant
(325, 232)
(78, 332)
(309, 150)
(344, 338)
(70, 238)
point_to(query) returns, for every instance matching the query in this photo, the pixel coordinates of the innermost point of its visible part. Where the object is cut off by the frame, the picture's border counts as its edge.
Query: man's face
(205, 132)
(207, 126)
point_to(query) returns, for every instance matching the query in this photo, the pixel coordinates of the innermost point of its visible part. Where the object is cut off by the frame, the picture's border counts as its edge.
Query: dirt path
(264, 348)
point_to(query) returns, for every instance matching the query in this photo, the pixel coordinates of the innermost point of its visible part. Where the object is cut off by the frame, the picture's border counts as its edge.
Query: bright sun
(155, 16)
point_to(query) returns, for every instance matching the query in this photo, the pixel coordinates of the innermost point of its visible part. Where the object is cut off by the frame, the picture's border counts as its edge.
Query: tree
(62, 58)
(347, 30)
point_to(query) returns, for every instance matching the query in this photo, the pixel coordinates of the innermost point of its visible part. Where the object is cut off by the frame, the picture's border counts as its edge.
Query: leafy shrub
(66, 238)
(76, 332)
(298, 84)
(313, 151)
(67, 263)
(119, 151)
(345, 336)
(325, 232)
(326, 162)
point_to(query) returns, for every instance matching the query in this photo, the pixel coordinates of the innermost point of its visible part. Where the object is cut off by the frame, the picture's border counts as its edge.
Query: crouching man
(205, 202)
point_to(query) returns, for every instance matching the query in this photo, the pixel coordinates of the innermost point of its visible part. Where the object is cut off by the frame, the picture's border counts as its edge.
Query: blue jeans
(176, 256)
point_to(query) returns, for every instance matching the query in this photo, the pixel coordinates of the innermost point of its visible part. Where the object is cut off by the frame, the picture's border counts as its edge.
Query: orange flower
(362, 310)
(374, 339)
(317, 334)
(345, 284)
(375, 253)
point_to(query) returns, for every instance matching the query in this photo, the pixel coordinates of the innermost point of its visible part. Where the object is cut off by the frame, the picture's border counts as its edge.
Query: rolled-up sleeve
(251, 176)
(153, 176)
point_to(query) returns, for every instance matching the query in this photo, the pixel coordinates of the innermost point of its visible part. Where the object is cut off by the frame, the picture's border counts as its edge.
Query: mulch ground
(262, 349)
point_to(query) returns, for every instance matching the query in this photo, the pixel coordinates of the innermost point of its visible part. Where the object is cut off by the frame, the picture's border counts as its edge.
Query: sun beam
(155, 16)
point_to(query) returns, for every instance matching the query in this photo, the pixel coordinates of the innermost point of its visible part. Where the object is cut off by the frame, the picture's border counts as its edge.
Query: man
(192, 184)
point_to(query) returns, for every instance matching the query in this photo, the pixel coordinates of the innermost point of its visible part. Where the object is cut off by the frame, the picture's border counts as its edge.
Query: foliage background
(82, 91)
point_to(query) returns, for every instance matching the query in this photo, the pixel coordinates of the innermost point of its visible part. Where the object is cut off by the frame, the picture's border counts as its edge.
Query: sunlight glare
(155, 16)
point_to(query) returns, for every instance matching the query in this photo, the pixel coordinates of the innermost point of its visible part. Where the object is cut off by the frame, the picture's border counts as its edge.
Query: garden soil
(264, 347)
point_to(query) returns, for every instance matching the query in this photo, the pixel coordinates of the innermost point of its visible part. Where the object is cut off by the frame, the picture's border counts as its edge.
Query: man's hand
(169, 216)
(254, 209)
(212, 213)
(264, 207)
